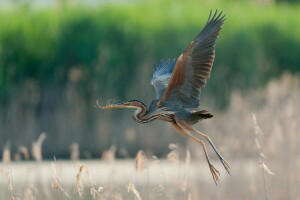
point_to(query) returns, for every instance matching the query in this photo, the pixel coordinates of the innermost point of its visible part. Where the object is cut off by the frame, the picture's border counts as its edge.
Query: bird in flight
(178, 84)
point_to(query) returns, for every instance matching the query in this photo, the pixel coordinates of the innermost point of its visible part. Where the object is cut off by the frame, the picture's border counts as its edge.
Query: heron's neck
(140, 114)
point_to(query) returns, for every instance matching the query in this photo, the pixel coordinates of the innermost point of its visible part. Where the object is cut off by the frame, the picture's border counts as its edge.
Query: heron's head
(127, 104)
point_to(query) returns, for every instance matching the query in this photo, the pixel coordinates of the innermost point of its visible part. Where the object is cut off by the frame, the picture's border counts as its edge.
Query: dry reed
(109, 155)
(141, 162)
(10, 183)
(6, 155)
(55, 180)
(79, 184)
(235, 130)
(37, 147)
(74, 149)
(258, 134)
(94, 191)
(131, 188)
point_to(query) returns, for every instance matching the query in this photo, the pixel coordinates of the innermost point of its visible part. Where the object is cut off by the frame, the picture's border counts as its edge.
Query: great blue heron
(178, 85)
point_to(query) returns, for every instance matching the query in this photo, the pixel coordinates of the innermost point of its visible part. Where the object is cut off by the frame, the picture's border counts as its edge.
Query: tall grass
(179, 174)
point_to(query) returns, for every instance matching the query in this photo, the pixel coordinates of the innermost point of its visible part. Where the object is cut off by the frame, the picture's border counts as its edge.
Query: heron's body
(178, 84)
(145, 115)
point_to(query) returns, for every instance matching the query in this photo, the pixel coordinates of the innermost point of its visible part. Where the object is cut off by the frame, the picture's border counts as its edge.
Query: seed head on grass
(140, 161)
(94, 192)
(79, 185)
(109, 155)
(55, 180)
(6, 155)
(131, 188)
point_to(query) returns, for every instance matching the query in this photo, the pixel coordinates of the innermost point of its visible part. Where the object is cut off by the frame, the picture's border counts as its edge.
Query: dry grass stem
(109, 155)
(131, 188)
(10, 183)
(6, 155)
(37, 147)
(94, 192)
(258, 134)
(55, 180)
(79, 184)
(140, 161)
(74, 149)
(266, 168)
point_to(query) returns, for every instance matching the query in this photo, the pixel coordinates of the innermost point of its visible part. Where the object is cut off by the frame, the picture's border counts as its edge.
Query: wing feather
(162, 75)
(194, 65)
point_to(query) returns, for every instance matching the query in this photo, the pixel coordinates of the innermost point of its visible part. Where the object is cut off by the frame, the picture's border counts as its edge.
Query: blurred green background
(57, 58)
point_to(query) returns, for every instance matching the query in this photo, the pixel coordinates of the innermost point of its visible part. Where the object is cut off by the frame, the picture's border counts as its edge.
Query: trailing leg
(224, 162)
(190, 128)
(215, 173)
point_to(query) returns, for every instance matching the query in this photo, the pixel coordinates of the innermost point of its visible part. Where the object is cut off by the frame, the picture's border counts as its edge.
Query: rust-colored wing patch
(178, 75)
(193, 66)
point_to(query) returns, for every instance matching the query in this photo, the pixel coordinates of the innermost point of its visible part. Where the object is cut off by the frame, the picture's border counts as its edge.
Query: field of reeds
(257, 134)
(56, 61)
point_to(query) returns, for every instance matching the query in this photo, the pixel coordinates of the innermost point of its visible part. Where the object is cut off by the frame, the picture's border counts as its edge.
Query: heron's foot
(215, 173)
(225, 164)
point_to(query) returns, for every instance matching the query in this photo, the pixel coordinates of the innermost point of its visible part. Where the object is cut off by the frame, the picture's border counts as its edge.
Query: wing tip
(216, 17)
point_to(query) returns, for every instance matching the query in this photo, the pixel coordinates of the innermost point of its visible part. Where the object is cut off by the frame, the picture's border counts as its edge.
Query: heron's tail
(202, 114)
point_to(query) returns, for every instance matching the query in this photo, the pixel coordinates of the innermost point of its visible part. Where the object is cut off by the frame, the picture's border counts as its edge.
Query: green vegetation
(110, 43)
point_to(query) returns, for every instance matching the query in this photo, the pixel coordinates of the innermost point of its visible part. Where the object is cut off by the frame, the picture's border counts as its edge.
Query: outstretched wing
(162, 75)
(193, 66)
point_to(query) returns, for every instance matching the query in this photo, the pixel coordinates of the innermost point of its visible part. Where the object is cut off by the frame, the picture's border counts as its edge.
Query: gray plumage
(161, 76)
(178, 84)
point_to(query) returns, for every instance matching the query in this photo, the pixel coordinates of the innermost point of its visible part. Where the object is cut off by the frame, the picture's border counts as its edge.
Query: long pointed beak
(118, 105)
